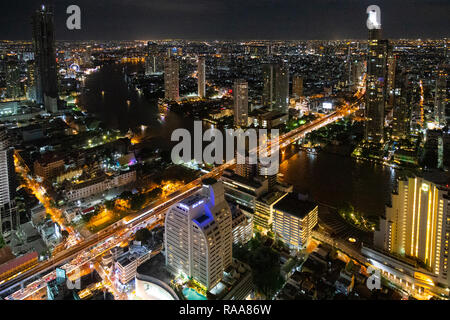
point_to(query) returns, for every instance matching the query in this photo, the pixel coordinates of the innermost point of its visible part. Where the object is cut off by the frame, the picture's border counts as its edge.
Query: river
(327, 177)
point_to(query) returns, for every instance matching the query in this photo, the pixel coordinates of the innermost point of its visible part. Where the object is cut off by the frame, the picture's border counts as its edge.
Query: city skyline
(337, 189)
(232, 20)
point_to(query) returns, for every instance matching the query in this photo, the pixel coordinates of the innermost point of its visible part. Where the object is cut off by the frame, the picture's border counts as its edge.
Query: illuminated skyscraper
(45, 58)
(276, 87)
(171, 79)
(440, 96)
(417, 225)
(31, 81)
(247, 170)
(198, 235)
(356, 73)
(201, 77)
(151, 60)
(401, 106)
(376, 86)
(240, 103)
(391, 73)
(9, 219)
(13, 86)
(297, 87)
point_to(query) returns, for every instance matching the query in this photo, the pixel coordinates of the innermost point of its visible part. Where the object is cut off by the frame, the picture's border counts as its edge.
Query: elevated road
(146, 215)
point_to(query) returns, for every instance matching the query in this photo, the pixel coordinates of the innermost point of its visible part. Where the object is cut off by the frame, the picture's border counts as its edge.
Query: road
(143, 217)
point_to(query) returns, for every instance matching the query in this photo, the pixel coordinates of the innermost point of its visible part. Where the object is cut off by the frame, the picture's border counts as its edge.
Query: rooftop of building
(50, 157)
(202, 218)
(292, 205)
(436, 176)
(209, 181)
(271, 197)
(241, 180)
(191, 200)
(125, 259)
(266, 114)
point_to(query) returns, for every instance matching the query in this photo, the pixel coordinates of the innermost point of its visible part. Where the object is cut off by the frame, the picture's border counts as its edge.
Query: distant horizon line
(236, 40)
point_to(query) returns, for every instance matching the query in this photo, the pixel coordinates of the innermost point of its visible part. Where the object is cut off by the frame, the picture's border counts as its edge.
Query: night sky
(232, 19)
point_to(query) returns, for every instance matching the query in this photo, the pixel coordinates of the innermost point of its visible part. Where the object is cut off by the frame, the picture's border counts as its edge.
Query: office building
(98, 185)
(293, 221)
(401, 106)
(171, 80)
(434, 149)
(127, 263)
(243, 191)
(9, 218)
(13, 84)
(150, 65)
(31, 81)
(412, 243)
(391, 75)
(265, 171)
(375, 87)
(440, 97)
(263, 118)
(263, 216)
(151, 59)
(297, 87)
(240, 103)
(276, 87)
(201, 77)
(198, 235)
(246, 170)
(49, 165)
(356, 72)
(45, 59)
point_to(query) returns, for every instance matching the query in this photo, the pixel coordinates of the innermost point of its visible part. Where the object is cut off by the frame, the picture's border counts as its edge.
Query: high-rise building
(198, 235)
(171, 79)
(9, 219)
(240, 103)
(13, 86)
(31, 81)
(293, 221)
(201, 81)
(414, 235)
(356, 74)
(265, 172)
(247, 170)
(150, 65)
(45, 59)
(276, 87)
(434, 149)
(440, 96)
(151, 59)
(376, 86)
(297, 87)
(242, 191)
(391, 74)
(401, 106)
